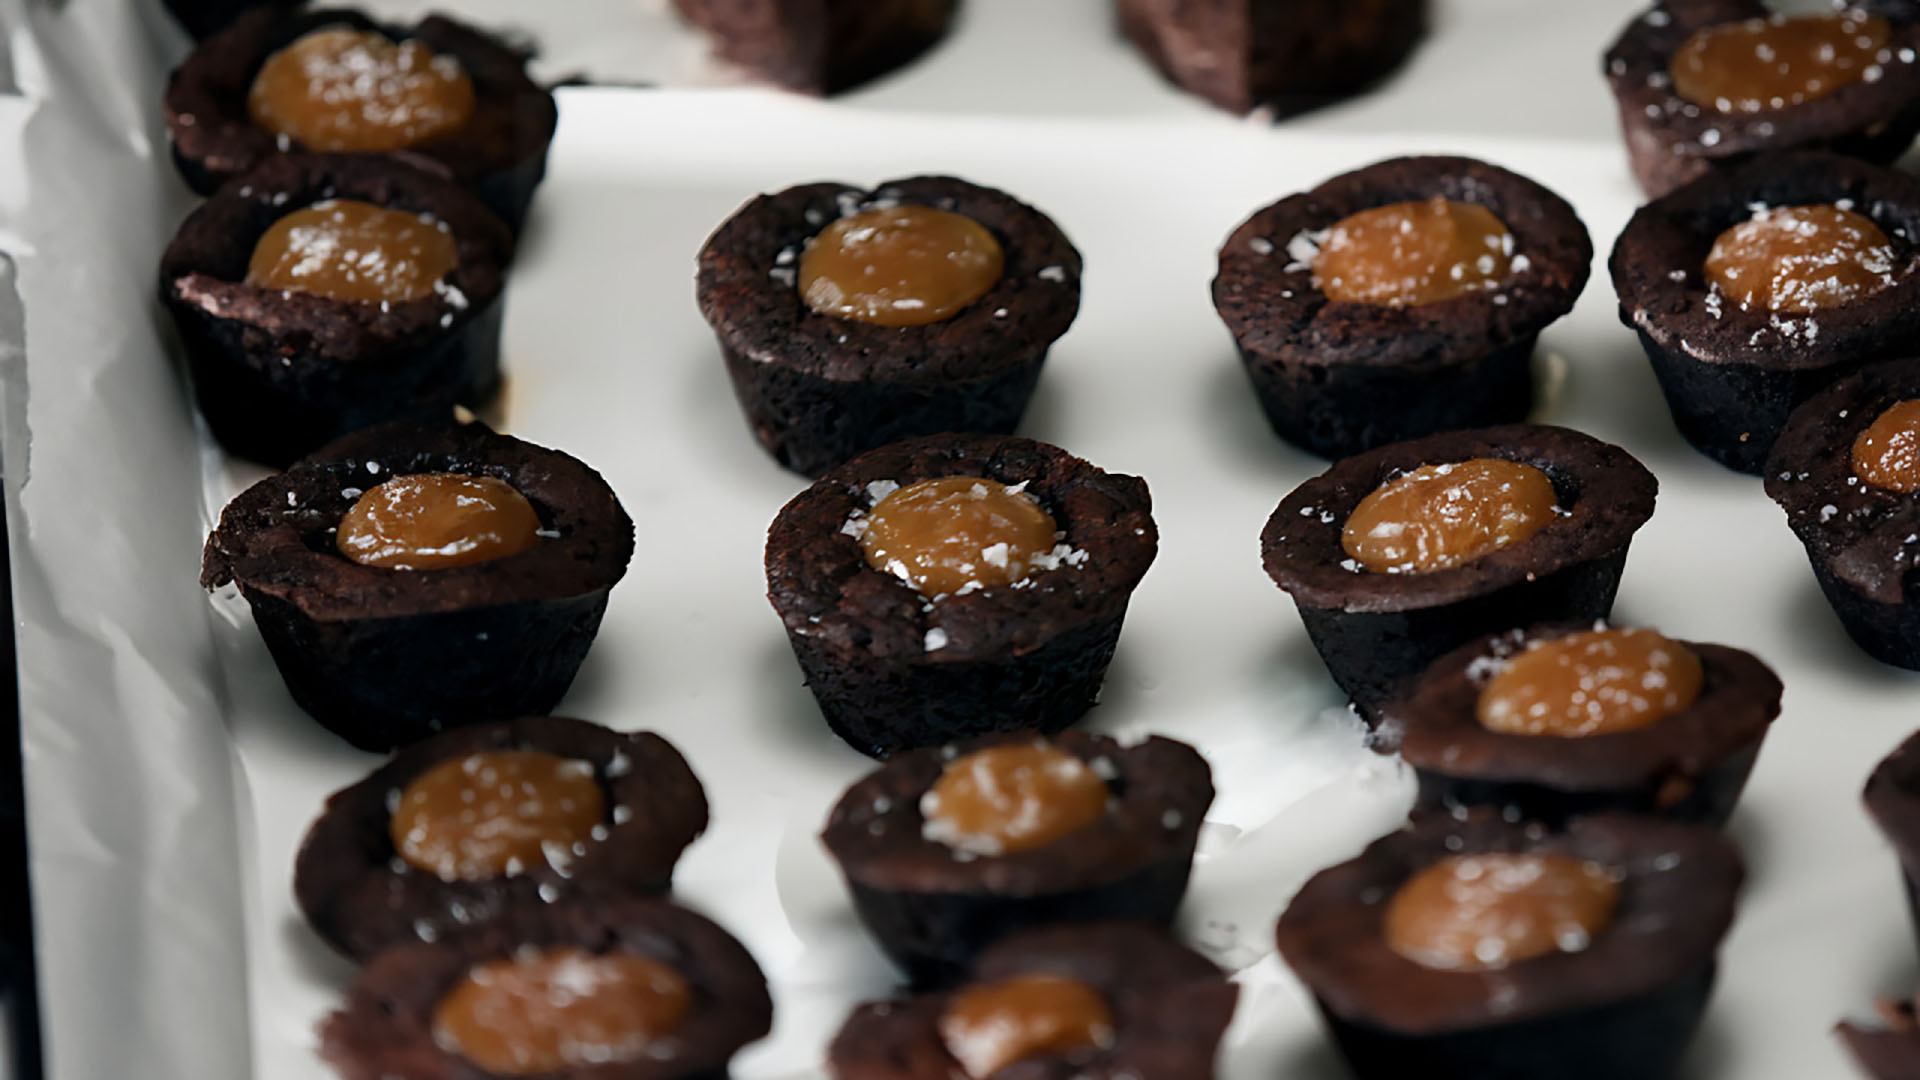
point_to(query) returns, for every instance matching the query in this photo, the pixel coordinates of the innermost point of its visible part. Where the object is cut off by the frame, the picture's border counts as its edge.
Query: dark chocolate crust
(932, 911)
(1731, 377)
(1859, 538)
(360, 897)
(1170, 1007)
(819, 46)
(279, 373)
(1672, 141)
(1339, 378)
(500, 154)
(1374, 630)
(1886, 1053)
(1624, 1006)
(384, 1031)
(1892, 798)
(202, 17)
(384, 657)
(1010, 657)
(818, 389)
(1291, 57)
(1690, 766)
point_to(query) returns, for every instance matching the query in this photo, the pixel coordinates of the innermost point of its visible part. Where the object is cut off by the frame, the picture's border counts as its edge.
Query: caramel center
(958, 533)
(1441, 516)
(494, 814)
(1477, 912)
(340, 89)
(562, 1008)
(1007, 799)
(347, 250)
(1412, 253)
(989, 1026)
(1800, 259)
(1596, 682)
(903, 266)
(432, 521)
(1776, 62)
(1887, 454)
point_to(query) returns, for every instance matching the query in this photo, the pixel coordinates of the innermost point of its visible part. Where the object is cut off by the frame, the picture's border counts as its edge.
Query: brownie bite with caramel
(819, 46)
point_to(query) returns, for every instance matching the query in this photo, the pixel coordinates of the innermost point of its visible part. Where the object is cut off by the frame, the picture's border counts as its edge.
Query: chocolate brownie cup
(1564, 719)
(1713, 83)
(202, 17)
(292, 340)
(1400, 555)
(1103, 1001)
(944, 587)
(1477, 948)
(410, 578)
(470, 824)
(610, 990)
(1288, 56)
(850, 319)
(454, 98)
(1754, 288)
(1892, 797)
(948, 849)
(1891, 1051)
(1399, 300)
(1847, 472)
(819, 46)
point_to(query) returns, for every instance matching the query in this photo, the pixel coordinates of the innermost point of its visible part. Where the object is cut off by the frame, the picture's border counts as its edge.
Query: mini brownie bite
(1712, 83)
(1847, 472)
(944, 587)
(1890, 1051)
(1754, 288)
(1286, 55)
(1564, 719)
(819, 46)
(616, 989)
(1892, 797)
(320, 294)
(1399, 555)
(1399, 300)
(851, 319)
(947, 849)
(333, 80)
(410, 578)
(1101, 1001)
(1472, 948)
(469, 825)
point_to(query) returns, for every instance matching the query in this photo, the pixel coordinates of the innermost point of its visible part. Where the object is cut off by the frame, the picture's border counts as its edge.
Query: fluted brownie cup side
(1892, 799)
(819, 47)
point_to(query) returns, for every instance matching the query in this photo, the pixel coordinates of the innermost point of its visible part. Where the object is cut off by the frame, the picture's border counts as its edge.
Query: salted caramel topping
(1596, 682)
(561, 1008)
(432, 521)
(1441, 516)
(342, 89)
(1799, 259)
(1776, 62)
(989, 1026)
(343, 249)
(497, 814)
(1887, 454)
(1478, 912)
(903, 266)
(1412, 253)
(1007, 799)
(957, 532)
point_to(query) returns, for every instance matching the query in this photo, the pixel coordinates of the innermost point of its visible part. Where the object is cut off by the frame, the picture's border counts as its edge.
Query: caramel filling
(1413, 253)
(1442, 516)
(1800, 259)
(1887, 454)
(497, 813)
(1478, 912)
(904, 266)
(1008, 799)
(989, 1026)
(432, 521)
(340, 89)
(957, 532)
(560, 1008)
(1776, 62)
(1592, 683)
(347, 250)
